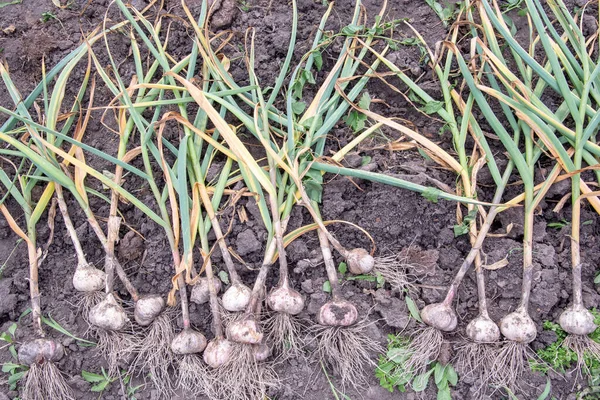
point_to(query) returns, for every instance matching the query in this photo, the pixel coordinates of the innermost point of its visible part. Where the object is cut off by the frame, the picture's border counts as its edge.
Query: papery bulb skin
(440, 316)
(188, 341)
(147, 308)
(338, 313)
(285, 300)
(88, 279)
(245, 331)
(518, 327)
(360, 261)
(483, 330)
(39, 351)
(236, 298)
(108, 315)
(261, 352)
(218, 352)
(201, 291)
(577, 321)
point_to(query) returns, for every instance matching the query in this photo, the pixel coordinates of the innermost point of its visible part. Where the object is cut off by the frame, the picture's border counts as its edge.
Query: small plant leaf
(342, 268)
(24, 314)
(365, 101)
(444, 394)
(92, 377)
(6, 337)
(318, 59)
(420, 382)
(56, 326)
(327, 287)
(432, 107)
(366, 278)
(559, 224)
(451, 375)
(412, 307)
(309, 121)
(380, 281)
(410, 41)
(397, 355)
(298, 107)
(350, 30)
(460, 230)
(308, 77)
(224, 277)
(10, 3)
(12, 329)
(439, 374)
(99, 387)
(14, 378)
(546, 391)
(431, 194)
(355, 120)
(442, 385)
(424, 154)
(13, 352)
(313, 183)
(8, 367)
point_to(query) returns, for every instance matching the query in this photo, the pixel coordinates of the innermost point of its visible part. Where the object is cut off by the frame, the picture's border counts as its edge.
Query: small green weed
(343, 268)
(131, 390)
(543, 396)
(56, 326)
(446, 12)
(48, 16)
(244, 5)
(356, 120)
(14, 370)
(392, 374)
(100, 382)
(558, 224)
(10, 3)
(464, 226)
(337, 395)
(561, 359)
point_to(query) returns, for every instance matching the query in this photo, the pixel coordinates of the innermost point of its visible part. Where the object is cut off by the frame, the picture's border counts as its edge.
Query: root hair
(510, 365)
(347, 351)
(116, 348)
(44, 381)
(153, 353)
(227, 317)
(193, 376)
(242, 378)
(584, 347)
(86, 301)
(425, 346)
(393, 269)
(475, 361)
(284, 332)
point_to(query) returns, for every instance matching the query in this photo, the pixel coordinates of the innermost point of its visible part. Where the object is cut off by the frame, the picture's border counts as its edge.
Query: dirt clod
(247, 242)
(7, 300)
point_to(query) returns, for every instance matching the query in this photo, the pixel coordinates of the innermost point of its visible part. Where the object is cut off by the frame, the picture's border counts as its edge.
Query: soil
(395, 218)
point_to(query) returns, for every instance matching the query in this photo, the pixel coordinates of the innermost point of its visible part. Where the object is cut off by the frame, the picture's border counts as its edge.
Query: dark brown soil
(395, 218)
